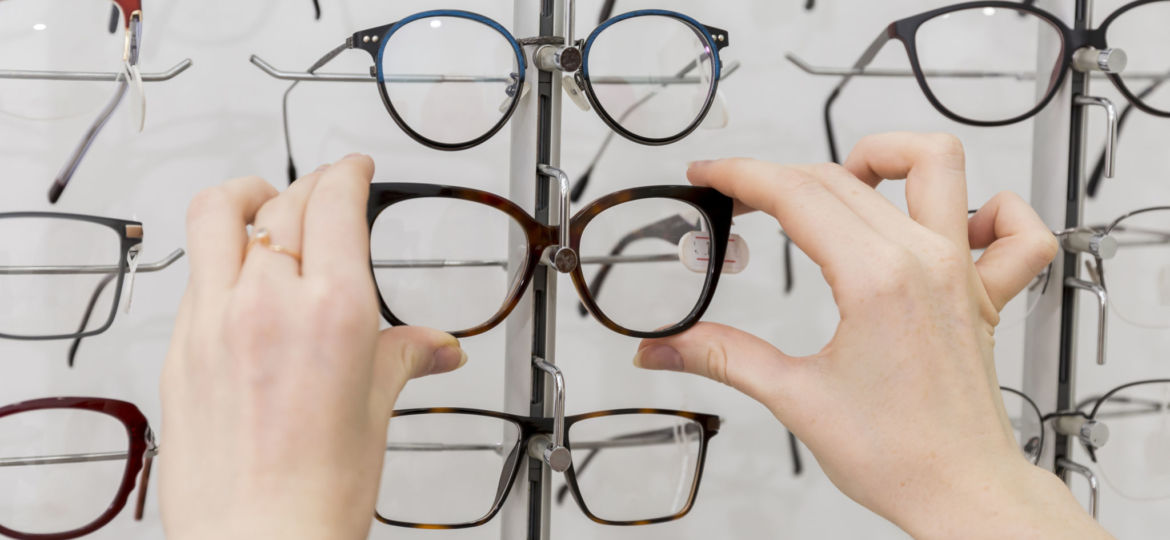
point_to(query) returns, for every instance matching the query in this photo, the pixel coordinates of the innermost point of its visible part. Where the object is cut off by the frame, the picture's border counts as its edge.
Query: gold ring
(261, 236)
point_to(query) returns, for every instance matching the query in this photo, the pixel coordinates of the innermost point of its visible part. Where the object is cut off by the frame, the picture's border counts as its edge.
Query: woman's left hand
(278, 386)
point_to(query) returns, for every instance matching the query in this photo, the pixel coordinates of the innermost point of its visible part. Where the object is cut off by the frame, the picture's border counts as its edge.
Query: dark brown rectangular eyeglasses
(656, 284)
(68, 465)
(449, 468)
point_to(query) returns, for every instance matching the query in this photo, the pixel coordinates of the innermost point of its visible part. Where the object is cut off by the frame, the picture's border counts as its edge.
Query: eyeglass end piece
(55, 191)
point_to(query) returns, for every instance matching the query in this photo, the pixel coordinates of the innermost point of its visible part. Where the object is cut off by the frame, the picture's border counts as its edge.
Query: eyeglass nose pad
(507, 103)
(133, 76)
(718, 116)
(132, 259)
(575, 93)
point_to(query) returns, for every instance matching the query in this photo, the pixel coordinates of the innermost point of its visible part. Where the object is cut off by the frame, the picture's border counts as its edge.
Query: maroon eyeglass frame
(139, 457)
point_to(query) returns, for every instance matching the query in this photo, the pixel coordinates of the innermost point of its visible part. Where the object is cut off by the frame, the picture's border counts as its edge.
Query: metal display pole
(1058, 196)
(531, 327)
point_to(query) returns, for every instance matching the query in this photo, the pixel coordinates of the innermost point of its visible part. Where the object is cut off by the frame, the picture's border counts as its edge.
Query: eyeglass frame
(715, 207)
(535, 426)
(139, 457)
(130, 236)
(905, 30)
(373, 41)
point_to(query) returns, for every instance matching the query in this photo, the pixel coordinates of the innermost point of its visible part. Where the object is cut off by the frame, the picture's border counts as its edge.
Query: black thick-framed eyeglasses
(1071, 40)
(556, 246)
(399, 86)
(61, 269)
(511, 443)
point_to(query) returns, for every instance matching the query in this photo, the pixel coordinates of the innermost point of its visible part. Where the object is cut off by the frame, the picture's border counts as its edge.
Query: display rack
(531, 328)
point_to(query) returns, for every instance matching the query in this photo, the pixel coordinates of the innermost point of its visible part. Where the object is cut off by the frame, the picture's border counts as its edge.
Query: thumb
(727, 355)
(409, 352)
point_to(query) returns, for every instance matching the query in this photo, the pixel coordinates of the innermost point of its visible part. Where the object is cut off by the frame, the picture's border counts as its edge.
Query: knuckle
(946, 146)
(821, 170)
(206, 203)
(338, 310)
(715, 362)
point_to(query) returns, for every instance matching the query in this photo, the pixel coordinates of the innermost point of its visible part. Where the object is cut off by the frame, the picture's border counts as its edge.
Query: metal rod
(62, 459)
(92, 75)
(286, 75)
(90, 269)
(1094, 485)
(834, 71)
(479, 263)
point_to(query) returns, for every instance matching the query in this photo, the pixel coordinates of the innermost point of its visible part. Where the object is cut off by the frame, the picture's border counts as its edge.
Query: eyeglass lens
(1004, 41)
(56, 304)
(48, 498)
(652, 74)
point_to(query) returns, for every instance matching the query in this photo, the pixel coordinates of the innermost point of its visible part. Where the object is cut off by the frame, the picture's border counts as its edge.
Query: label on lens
(694, 250)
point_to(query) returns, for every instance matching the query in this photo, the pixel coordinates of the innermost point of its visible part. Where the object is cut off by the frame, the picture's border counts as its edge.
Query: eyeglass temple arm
(1094, 182)
(101, 286)
(317, 10)
(583, 179)
(144, 477)
(66, 173)
(786, 263)
(671, 229)
(862, 62)
(292, 168)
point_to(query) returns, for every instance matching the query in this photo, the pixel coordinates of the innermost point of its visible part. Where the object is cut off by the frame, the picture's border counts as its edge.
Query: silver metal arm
(472, 263)
(91, 269)
(1102, 310)
(832, 71)
(1094, 485)
(61, 459)
(555, 454)
(42, 75)
(562, 257)
(1112, 121)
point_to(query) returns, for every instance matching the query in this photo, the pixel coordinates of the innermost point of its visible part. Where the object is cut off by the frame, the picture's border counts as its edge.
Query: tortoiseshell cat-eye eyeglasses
(466, 287)
(449, 468)
(69, 464)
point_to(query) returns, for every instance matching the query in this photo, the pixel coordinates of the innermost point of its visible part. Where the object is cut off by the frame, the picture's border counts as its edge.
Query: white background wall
(221, 120)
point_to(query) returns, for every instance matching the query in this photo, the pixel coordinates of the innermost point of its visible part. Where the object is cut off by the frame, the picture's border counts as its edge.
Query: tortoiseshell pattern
(139, 440)
(715, 207)
(532, 426)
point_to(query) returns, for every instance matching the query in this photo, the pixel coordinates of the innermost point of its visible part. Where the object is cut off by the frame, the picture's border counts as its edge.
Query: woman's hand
(278, 386)
(902, 408)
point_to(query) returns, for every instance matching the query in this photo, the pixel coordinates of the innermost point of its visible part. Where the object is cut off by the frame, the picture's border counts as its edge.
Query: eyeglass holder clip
(561, 257)
(1094, 485)
(553, 452)
(1112, 126)
(1091, 433)
(1089, 59)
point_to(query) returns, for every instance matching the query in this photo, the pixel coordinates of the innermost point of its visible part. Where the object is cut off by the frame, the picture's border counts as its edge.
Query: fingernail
(447, 358)
(322, 168)
(698, 163)
(353, 155)
(659, 357)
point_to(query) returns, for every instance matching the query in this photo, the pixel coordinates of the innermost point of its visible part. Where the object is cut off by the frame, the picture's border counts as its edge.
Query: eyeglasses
(425, 278)
(661, 67)
(1134, 419)
(56, 271)
(130, 13)
(949, 76)
(83, 454)
(450, 468)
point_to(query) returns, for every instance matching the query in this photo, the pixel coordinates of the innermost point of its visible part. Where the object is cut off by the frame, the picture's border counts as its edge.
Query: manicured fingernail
(447, 358)
(659, 357)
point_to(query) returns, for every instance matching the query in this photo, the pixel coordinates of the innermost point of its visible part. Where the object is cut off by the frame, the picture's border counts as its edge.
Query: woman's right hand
(902, 408)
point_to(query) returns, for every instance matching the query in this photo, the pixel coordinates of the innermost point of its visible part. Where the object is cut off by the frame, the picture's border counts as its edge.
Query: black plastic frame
(533, 426)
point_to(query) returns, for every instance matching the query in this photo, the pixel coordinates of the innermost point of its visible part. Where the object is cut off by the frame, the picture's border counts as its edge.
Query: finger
(730, 356)
(881, 214)
(409, 352)
(216, 233)
(284, 217)
(819, 223)
(1018, 246)
(933, 167)
(336, 233)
